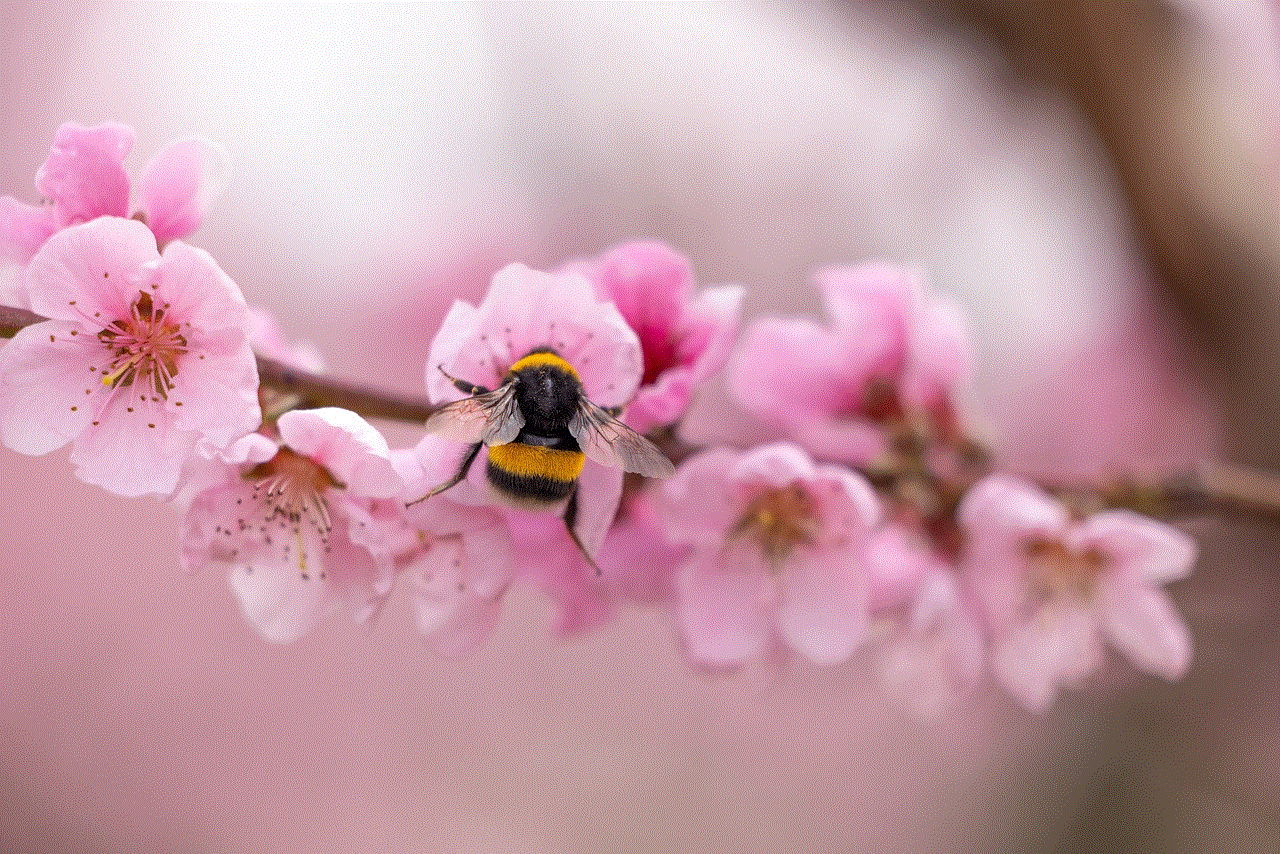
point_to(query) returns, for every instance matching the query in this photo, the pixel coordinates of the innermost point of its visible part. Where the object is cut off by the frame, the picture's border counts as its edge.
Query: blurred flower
(684, 339)
(891, 359)
(776, 554)
(292, 522)
(458, 559)
(935, 656)
(84, 178)
(142, 362)
(1053, 588)
(268, 339)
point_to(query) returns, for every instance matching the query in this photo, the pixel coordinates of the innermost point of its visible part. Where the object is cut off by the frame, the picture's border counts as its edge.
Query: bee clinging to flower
(541, 428)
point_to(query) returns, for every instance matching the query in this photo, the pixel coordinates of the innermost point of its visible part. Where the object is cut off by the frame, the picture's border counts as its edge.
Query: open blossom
(684, 338)
(142, 362)
(292, 523)
(526, 309)
(84, 178)
(457, 560)
(776, 554)
(1053, 588)
(891, 357)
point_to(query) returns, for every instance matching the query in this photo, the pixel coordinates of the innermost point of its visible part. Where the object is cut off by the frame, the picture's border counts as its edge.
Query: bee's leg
(462, 385)
(457, 478)
(571, 516)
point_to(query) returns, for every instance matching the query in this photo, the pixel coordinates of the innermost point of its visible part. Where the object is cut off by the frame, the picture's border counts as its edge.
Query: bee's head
(548, 389)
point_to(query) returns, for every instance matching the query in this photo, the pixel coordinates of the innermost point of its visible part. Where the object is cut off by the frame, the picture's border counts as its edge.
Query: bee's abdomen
(532, 472)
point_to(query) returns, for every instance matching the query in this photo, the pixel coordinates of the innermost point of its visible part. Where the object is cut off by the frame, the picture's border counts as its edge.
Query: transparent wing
(492, 418)
(609, 442)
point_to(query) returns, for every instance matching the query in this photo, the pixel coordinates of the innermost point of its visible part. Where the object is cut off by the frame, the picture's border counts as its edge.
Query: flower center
(780, 520)
(1057, 572)
(145, 347)
(289, 500)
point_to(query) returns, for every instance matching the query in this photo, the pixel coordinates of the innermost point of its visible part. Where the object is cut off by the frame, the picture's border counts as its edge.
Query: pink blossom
(84, 178)
(935, 656)
(776, 554)
(684, 338)
(526, 309)
(268, 339)
(293, 525)
(891, 357)
(143, 360)
(457, 559)
(1053, 588)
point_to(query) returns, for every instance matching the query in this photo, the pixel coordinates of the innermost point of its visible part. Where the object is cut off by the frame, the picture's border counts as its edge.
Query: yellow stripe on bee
(521, 460)
(550, 360)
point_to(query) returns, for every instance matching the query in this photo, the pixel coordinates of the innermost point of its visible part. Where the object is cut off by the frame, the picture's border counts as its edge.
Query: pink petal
(790, 371)
(823, 612)
(215, 389)
(1001, 506)
(879, 295)
(96, 268)
(24, 228)
(43, 404)
(599, 492)
(847, 504)
(349, 447)
(132, 453)
(694, 507)
(896, 559)
(456, 331)
(452, 608)
(1144, 625)
(648, 282)
(84, 173)
(1059, 645)
(526, 309)
(774, 466)
(724, 611)
(849, 441)
(279, 602)
(177, 186)
(941, 353)
(268, 339)
(1150, 550)
(197, 291)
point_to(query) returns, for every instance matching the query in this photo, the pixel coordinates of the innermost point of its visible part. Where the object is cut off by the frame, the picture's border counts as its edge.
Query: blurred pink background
(387, 159)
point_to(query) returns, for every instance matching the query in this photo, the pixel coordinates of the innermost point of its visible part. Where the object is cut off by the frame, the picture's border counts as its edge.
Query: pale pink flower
(893, 354)
(292, 523)
(637, 566)
(457, 559)
(776, 554)
(934, 657)
(1053, 588)
(143, 360)
(84, 178)
(526, 309)
(684, 338)
(268, 339)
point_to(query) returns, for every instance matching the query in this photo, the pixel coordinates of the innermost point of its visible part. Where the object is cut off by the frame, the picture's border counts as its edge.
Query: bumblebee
(541, 429)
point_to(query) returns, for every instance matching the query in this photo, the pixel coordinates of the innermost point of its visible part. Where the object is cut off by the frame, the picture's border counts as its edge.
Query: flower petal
(44, 377)
(349, 447)
(1144, 625)
(724, 611)
(177, 186)
(1152, 551)
(24, 228)
(197, 290)
(215, 389)
(84, 173)
(134, 449)
(92, 272)
(823, 611)
(1059, 645)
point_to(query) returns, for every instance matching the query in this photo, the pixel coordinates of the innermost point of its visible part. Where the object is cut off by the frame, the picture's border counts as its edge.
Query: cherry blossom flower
(292, 523)
(684, 338)
(776, 554)
(1053, 588)
(935, 656)
(526, 309)
(457, 559)
(84, 178)
(142, 362)
(891, 359)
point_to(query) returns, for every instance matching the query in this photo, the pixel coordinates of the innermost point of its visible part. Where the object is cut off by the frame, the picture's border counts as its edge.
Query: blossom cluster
(871, 525)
